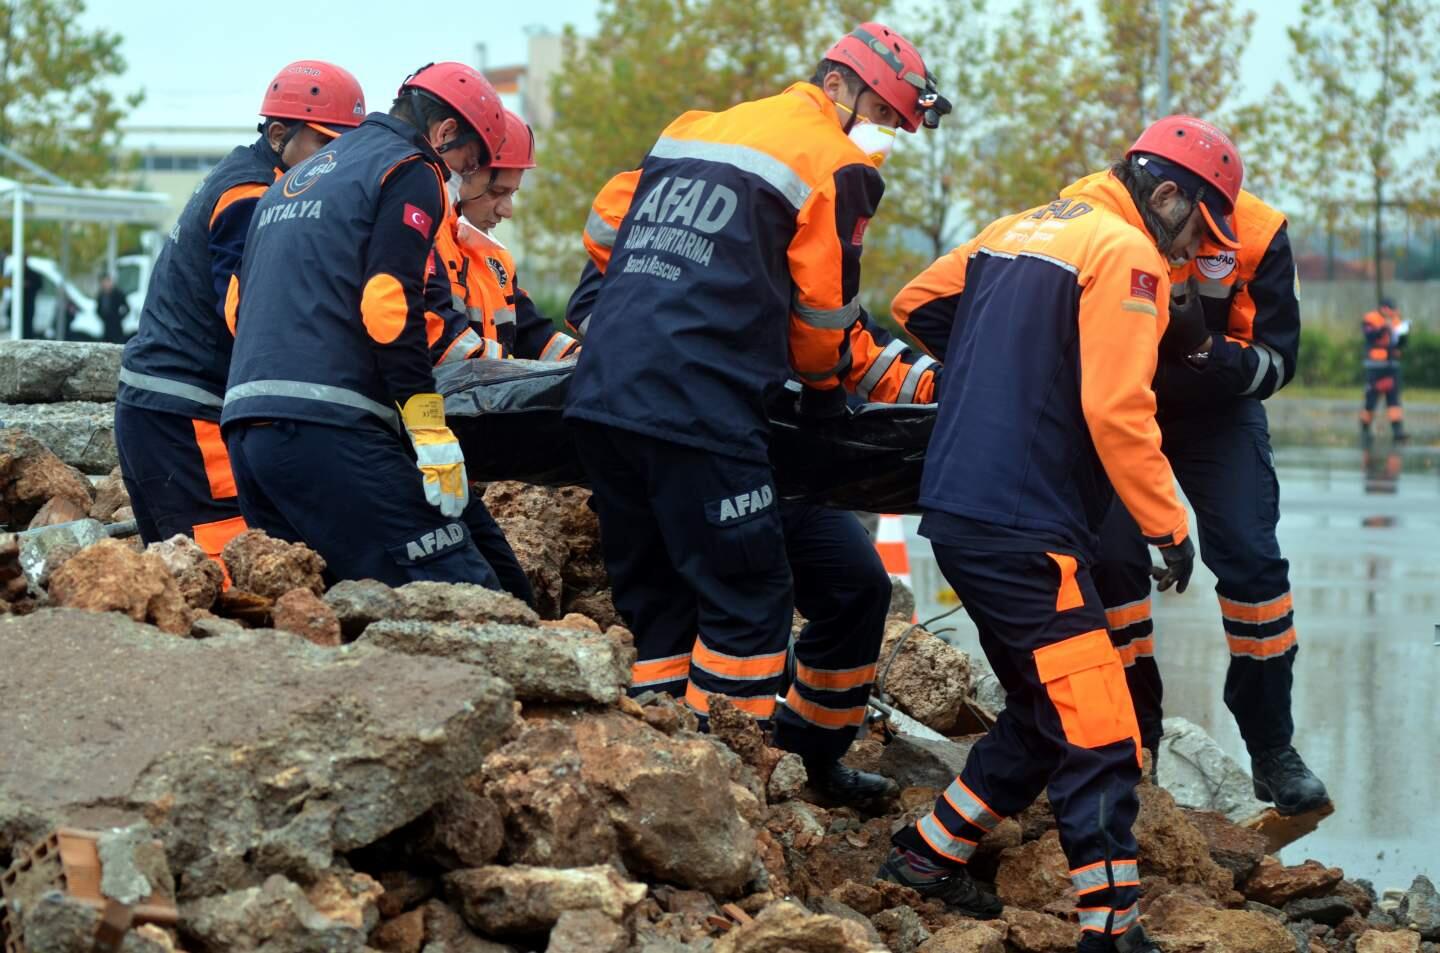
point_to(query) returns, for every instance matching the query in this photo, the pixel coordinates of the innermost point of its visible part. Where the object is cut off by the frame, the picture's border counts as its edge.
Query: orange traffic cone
(890, 544)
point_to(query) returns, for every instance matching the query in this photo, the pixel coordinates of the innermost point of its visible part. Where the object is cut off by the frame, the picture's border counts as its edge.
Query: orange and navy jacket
(330, 308)
(508, 314)
(454, 316)
(1049, 322)
(178, 360)
(1383, 339)
(731, 258)
(1251, 299)
(481, 310)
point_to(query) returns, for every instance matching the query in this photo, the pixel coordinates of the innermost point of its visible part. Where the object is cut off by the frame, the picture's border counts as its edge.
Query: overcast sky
(203, 68)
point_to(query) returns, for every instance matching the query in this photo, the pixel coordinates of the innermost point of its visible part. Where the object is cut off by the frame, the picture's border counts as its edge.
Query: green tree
(1365, 97)
(55, 105)
(650, 61)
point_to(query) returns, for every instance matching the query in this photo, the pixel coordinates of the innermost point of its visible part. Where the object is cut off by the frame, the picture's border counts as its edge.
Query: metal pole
(17, 257)
(111, 247)
(61, 330)
(1163, 66)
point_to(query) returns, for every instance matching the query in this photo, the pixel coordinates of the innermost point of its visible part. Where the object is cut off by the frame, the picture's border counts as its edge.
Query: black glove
(1187, 332)
(1179, 564)
(822, 404)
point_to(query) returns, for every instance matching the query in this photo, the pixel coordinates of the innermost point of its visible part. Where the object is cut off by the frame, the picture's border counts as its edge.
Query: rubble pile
(279, 767)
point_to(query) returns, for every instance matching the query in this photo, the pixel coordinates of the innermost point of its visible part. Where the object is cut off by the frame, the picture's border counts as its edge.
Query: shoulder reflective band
(600, 231)
(762, 165)
(504, 316)
(163, 385)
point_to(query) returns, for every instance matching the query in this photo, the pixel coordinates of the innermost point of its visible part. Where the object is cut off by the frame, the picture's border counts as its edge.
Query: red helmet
(891, 66)
(322, 94)
(518, 150)
(470, 94)
(1201, 149)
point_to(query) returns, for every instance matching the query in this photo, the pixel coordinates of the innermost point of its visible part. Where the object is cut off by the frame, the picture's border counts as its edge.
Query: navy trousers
(179, 478)
(707, 567)
(1225, 466)
(355, 496)
(1068, 725)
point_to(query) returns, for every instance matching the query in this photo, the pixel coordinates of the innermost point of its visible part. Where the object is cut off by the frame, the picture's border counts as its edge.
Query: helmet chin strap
(854, 116)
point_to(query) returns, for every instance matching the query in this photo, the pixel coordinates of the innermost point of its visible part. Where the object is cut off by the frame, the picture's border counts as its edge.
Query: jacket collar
(817, 96)
(261, 148)
(405, 131)
(1103, 190)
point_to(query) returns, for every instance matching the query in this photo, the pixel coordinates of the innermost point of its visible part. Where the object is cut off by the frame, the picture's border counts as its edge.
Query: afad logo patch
(417, 219)
(300, 178)
(1143, 284)
(1216, 266)
(501, 275)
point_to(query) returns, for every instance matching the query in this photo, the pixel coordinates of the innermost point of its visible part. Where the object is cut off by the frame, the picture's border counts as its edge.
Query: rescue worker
(1050, 321)
(336, 431)
(1385, 334)
(172, 375)
(508, 315)
(731, 261)
(1243, 315)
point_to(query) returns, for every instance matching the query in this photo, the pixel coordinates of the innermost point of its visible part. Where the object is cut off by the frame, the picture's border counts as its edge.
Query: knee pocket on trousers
(1085, 680)
(750, 545)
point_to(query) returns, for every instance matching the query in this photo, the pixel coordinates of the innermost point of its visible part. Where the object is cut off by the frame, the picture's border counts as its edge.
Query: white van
(85, 320)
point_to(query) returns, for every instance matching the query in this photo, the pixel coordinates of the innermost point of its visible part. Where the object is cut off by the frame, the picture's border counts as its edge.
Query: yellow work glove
(437, 453)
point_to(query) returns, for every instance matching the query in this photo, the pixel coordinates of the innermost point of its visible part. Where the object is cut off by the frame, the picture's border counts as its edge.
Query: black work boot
(1133, 940)
(952, 886)
(847, 785)
(1282, 779)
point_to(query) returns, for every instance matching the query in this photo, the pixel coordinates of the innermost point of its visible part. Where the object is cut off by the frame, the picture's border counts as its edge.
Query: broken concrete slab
(787, 926)
(587, 931)
(1035, 875)
(1171, 847)
(520, 900)
(914, 762)
(275, 917)
(551, 815)
(671, 800)
(1420, 909)
(198, 577)
(38, 372)
(972, 937)
(1201, 776)
(556, 538)
(82, 433)
(360, 602)
(1377, 941)
(110, 576)
(929, 679)
(110, 496)
(1178, 922)
(302, 612)
(31, 475)
(269, 567)
(1237, 849)
(57, 923)
(1280, 830)
(543, 665)
(1274, 884)
(342, 747)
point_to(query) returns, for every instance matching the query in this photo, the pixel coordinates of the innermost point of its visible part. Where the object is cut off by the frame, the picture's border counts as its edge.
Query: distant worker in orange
(1050, 323)
(1385, 332)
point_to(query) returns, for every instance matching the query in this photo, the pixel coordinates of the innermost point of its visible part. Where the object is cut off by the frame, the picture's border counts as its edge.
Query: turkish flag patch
(858, 236)
(416, 218)
(1143, 284)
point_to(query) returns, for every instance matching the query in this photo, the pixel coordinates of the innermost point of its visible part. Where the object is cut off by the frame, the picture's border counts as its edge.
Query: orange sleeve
(606, 214)
(925, 307)
(236, 193)
(1124, 309)
(824, 258)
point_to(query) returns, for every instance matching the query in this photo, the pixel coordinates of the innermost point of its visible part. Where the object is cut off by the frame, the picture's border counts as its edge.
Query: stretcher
(507, 417)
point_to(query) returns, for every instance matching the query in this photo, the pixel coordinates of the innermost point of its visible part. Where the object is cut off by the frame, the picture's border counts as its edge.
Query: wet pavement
(1363, 540)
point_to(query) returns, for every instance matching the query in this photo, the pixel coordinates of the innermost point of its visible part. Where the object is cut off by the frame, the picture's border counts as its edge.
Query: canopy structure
(65, 203)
